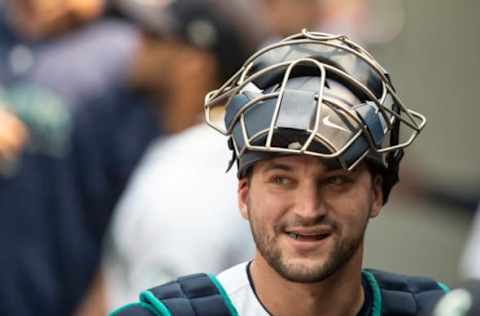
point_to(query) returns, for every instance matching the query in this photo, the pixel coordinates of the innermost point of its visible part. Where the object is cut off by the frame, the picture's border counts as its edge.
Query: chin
(304, 270)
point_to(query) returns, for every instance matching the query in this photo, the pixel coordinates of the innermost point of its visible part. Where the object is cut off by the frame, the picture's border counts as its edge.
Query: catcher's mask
(314, 94)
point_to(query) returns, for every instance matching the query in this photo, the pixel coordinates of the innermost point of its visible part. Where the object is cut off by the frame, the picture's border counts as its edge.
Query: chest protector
(203, 295)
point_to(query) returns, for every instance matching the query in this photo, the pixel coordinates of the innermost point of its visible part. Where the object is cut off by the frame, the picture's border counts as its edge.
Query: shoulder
(235, 280)
(228, 294)
(192, 295)
(400, 282)
(402, 294)
(237, 286)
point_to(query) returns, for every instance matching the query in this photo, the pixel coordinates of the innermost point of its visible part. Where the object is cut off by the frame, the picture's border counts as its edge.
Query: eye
(281, 180)
(338, 180)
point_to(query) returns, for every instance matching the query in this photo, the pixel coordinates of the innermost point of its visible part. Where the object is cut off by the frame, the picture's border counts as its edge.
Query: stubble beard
(339, 255)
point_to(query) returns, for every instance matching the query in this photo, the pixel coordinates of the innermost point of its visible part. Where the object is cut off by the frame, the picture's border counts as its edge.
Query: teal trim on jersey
(444, 287)
(226, 298)
(149, 297)
(138, 304)
(377, 295)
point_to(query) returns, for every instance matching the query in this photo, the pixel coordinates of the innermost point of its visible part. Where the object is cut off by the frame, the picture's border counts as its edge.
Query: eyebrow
(286, 167)
(277, 166)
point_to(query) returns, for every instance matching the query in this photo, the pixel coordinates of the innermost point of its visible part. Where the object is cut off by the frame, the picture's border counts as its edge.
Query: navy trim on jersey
(252, 285)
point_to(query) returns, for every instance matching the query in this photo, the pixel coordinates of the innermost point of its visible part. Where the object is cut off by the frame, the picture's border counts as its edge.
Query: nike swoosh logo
(327, 122)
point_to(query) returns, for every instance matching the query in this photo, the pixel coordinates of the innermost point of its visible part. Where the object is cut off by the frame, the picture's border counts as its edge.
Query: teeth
(297, 236)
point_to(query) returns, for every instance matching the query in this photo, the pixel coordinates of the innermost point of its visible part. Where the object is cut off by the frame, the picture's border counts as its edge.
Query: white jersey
(236, 283)
(178, 216)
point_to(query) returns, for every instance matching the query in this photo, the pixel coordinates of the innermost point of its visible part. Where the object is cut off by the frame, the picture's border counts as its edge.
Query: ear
(243, 187)
(377, 196)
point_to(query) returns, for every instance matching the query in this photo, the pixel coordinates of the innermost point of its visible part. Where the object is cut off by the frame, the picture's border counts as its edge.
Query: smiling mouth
(307, 237)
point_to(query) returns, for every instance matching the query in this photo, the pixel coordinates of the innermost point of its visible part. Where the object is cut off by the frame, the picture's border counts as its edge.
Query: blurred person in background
(68, 47)
(36, 19)
(359, 19)
(186, 48)
(286, 17)
(54, 54)
(13, 135)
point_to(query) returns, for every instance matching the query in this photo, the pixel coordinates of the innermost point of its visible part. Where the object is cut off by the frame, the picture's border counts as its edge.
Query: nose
(309, 201)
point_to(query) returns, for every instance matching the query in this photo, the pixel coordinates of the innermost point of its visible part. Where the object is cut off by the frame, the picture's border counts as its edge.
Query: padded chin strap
(391, 176)
(234, 155)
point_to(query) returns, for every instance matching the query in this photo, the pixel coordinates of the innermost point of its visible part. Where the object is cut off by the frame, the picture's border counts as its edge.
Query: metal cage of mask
(374, 122)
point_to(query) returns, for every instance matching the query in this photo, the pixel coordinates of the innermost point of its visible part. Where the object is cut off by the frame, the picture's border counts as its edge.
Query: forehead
(298, 163)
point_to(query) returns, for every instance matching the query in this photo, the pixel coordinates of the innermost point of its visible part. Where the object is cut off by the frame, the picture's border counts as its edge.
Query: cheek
(352, 209)
(266, 210)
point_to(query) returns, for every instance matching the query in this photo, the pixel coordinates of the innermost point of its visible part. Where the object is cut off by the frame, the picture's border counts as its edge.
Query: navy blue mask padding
(358, 148)
(368, 113)
(236, 104)
(296, 115)
(297, 110)
(335, 58)
(275, 76)
(259, 117)
(238, 136)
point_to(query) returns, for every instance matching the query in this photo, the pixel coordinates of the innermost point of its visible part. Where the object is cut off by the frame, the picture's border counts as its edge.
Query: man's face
(308, 221)
(38, 19)
(179, 73)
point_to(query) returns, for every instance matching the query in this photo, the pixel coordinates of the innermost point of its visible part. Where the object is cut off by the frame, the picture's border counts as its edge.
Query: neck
(341, 294)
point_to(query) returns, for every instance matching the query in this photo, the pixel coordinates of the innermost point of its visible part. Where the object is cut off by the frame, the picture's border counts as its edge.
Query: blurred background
(102, 141)
(432, 62)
